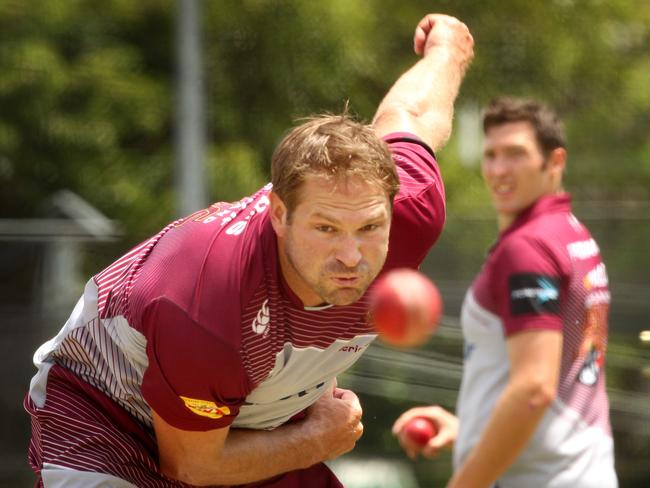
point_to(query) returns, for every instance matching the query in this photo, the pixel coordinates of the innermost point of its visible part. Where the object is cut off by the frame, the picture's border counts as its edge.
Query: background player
(193, 358)
(532, 409)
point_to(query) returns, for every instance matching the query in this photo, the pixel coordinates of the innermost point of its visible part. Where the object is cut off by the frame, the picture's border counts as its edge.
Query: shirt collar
(555, 203)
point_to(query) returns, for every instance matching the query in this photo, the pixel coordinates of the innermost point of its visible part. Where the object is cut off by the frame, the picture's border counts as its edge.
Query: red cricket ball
(420, 430)
(405, 307)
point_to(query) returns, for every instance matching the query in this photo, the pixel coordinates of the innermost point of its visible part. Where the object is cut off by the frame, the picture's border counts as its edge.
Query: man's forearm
(232, 456)
(511, 425)
(422, 99)
(251, 455)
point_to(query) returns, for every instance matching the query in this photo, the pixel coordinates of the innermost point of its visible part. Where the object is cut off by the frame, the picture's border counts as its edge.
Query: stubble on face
(316, 260)
(320, 280)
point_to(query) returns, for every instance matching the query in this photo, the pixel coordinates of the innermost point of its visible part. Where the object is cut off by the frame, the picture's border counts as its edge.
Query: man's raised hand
(438, 30)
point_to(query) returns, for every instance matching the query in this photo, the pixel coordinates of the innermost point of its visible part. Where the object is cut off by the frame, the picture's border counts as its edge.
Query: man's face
(515, 170)
(335, 241)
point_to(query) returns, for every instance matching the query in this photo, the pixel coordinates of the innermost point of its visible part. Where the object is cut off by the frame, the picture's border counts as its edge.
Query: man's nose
(497, 166)
(348, 251)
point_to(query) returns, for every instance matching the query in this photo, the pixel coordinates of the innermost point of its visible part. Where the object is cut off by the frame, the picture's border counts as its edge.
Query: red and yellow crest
(205, 408)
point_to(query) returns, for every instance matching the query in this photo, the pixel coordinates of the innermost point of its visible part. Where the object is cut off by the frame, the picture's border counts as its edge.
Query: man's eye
(517, 152)
(369, 227)
(325, 228)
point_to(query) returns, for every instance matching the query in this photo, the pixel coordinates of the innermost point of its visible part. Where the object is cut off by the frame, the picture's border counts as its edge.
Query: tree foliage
(87, 90)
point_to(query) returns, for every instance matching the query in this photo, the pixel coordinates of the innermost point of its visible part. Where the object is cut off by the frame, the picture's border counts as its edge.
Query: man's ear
(557, 159)
(278, 214)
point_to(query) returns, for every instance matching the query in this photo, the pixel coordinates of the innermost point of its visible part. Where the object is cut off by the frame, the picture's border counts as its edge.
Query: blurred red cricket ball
(405, 307)
(420, 430)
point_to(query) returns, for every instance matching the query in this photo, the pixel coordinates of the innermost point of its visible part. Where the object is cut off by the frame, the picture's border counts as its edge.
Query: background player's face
(335, 241)
(515, 170)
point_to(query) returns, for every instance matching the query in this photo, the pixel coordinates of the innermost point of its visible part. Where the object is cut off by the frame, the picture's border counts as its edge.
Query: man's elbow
(175, 472)
(541, 395)
(431, 127)
(184, 473)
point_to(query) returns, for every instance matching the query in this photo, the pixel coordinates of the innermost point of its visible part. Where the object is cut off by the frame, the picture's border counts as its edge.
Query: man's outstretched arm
(422, 100)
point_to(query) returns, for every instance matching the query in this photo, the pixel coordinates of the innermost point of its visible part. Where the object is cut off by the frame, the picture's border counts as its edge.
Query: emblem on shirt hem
(260, 323)
(205, 408)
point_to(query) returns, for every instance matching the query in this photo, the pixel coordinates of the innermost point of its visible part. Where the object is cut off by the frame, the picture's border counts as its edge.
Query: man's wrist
(448, 53)
(308, 446)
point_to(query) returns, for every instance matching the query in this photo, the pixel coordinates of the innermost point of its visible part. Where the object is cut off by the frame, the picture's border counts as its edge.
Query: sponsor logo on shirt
(260, 324)
(598, 297)
(532, 293)
(596, 278)
(205, 215)
(594, 343)
(354, 348)
(205, 408)
(583, 249)
(248, 208)
(575, 223)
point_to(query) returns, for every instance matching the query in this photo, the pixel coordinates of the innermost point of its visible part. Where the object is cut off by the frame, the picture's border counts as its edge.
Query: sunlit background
(117, 116)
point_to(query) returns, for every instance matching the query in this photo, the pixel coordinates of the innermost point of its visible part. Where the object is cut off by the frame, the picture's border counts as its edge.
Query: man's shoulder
(529, 246)
(225, 234)
(551, 241)
(557, 231)
(232, 260)
(416, 165)
(419, 206)
(208, 261)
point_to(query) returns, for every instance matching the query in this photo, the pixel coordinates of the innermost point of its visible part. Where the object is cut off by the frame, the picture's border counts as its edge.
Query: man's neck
(505, 220)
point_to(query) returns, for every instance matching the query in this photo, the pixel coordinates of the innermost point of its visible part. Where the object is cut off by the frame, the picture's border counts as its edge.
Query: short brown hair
(548, 128)
(332, 145)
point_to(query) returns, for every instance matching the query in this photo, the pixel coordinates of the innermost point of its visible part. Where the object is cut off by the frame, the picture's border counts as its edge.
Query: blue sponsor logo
(546, 291)
(532, 293)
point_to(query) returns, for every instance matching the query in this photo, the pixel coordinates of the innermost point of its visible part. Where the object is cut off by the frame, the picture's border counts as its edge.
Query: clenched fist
(438, 30)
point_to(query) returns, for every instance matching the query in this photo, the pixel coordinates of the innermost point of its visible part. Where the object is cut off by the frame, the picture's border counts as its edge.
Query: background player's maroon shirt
(544, 273)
